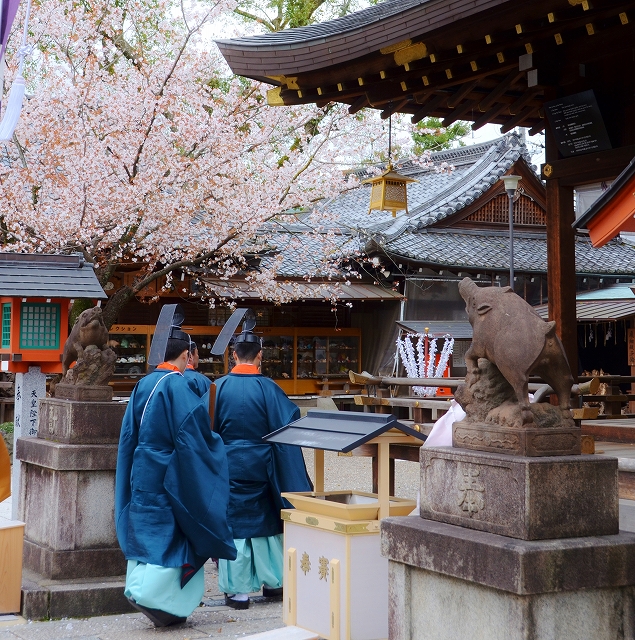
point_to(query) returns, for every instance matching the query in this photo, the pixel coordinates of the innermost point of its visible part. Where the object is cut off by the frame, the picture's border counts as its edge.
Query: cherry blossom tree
(138, 147)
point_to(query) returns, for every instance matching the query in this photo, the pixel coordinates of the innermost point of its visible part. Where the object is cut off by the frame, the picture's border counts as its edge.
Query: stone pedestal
(528, 441)
(448, 582)
(94, 393)
(526, 498)
(67, 495)
(511, 548)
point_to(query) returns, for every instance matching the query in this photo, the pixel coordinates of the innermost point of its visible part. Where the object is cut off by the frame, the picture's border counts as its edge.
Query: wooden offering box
(336, 581)
(11, 541)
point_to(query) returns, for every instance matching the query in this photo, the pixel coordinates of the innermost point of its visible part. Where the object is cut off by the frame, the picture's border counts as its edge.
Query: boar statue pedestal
(510, 343)
(517, 530)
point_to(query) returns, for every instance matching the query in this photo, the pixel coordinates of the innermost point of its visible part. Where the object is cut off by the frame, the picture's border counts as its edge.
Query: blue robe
(248, 407)
(172, 482)
(199, 383)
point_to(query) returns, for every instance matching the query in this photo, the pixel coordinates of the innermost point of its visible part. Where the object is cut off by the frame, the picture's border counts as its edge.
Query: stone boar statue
(88, 329)
(510, 334)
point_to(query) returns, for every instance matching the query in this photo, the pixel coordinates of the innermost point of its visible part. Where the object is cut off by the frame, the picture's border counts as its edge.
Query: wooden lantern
(389, 191)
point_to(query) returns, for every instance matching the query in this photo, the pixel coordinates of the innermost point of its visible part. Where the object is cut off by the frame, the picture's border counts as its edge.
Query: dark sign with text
(577, 125)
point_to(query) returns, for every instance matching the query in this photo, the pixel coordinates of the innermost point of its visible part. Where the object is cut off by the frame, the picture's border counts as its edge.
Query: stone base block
(44, 599)
(76, 563)
(525, 498)
(96, 393)
(447, 582)
(72, 422)
(517, 442)
(67, 500)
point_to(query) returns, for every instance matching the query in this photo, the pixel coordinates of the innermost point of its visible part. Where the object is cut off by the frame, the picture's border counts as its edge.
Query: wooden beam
(508, 82)
(386, 113)
(359, 104)
(518, 118)
(537, 128)
(528, 96)
(590, 167)
(463, 91)
(488, 116)
(429, 107)
(459, 112)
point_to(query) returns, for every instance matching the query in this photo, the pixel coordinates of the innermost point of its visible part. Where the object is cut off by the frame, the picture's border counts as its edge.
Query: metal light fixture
(389, 192)
(511, 184)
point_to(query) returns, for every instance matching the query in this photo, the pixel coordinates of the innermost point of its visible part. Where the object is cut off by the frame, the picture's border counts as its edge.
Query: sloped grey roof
(437, 194)
(435, 197)
(489, 250)
(48, 276)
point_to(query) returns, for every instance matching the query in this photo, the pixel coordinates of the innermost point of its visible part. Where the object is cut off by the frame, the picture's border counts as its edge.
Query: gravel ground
(343, 472)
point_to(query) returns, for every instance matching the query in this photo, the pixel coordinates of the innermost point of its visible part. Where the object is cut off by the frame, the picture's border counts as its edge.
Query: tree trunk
(115, 304)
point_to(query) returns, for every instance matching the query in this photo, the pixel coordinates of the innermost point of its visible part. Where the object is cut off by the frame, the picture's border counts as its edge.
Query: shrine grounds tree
(137, 149)
(430, 135)
(276, 15)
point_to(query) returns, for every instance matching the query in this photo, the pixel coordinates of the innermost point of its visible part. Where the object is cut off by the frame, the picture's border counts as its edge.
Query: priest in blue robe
(172, 491)
(199, 383)
(248, 407)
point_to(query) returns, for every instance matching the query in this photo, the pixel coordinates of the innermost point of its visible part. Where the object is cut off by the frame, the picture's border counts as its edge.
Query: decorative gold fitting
(623, 18)
(459, 48)
(551, 17)
(488, 39)
(558, 38)
(529, 48)
(500, 56)
(474, 65)
(519, 29)
(448, 73)
(590, 29)
(547, 170)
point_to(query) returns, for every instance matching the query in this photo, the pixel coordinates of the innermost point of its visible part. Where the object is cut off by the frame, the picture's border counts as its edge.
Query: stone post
(29, 389)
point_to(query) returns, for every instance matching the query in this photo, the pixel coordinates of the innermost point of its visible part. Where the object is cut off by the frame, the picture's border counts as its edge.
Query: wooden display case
(298, 359)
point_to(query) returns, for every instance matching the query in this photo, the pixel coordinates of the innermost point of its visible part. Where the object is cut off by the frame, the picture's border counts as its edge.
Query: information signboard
(577, 124)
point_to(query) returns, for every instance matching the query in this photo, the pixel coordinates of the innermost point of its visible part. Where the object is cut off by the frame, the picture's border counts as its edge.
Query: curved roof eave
(343, 39)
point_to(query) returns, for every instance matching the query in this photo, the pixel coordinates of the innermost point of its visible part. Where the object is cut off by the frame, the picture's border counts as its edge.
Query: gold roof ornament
(389, 191)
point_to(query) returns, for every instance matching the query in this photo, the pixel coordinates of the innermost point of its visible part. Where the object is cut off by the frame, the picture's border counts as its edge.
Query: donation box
(336, 580)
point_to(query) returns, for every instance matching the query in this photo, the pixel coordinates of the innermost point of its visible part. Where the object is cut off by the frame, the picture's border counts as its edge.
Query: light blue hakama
(258, 563)
(158, 587)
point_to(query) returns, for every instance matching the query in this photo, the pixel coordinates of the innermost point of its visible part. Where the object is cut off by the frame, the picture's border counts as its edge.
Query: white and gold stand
(336, 580)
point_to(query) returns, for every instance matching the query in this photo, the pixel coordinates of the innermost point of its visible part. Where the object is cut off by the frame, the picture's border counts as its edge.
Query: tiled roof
(489, 250)
(48, 276)
(432, 199)
(436, 194)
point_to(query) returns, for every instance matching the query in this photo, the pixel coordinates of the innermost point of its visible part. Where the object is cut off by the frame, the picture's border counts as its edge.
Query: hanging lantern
(389, 191)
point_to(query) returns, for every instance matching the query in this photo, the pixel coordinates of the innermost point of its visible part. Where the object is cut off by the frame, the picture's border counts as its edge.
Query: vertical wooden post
(335, 599)
(383, 459)
(318, 469)
(290, 599)
(561, 280)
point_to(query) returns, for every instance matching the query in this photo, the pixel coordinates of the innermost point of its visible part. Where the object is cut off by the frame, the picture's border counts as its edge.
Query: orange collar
(169, 367)
(245, 368)
(190, 366)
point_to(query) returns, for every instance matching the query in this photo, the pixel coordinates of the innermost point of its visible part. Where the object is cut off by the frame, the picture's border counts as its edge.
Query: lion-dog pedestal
(518, 535)
(73, 564)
